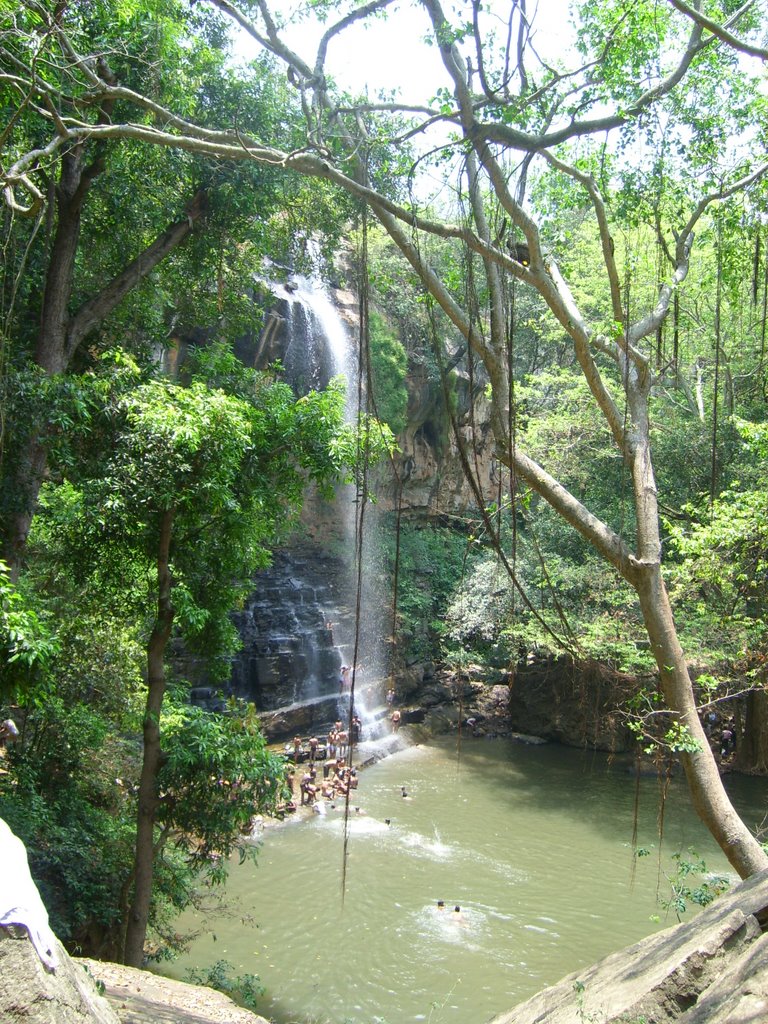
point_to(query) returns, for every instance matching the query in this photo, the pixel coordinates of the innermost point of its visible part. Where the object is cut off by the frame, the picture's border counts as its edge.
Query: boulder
(300, 719)
(39, 984)
(144, 998)
(32, 994)
(711, 970)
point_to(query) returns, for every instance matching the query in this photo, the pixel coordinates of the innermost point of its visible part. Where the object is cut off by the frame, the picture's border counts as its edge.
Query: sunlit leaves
(26, 640)
(217, 773)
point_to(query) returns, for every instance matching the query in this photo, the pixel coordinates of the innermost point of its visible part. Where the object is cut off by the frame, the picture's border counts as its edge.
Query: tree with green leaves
(663, 91)
(125, 244)
(193, 487)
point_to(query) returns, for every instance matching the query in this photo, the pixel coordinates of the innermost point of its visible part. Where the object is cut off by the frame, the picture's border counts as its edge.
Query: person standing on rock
(333, 737)
(343, 742)
(308, 788)
(395, 720)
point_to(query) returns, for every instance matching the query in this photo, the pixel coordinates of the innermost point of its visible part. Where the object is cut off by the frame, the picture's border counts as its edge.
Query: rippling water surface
(533, 843)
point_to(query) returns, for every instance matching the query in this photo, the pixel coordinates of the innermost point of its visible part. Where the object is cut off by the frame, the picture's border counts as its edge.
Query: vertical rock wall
(291, 629)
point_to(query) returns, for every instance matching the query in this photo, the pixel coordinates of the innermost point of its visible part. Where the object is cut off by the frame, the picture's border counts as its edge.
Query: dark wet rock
(300, 719)
(291, 628)
(411, 716)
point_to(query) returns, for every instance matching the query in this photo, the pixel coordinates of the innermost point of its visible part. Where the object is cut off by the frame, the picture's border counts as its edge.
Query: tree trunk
(643, 571)
(752, 748)
(708, 795)
(61, 334)
(74, 182)
(138, 914)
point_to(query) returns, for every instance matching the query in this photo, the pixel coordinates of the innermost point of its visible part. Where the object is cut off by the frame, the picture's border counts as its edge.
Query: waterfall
(299, 626)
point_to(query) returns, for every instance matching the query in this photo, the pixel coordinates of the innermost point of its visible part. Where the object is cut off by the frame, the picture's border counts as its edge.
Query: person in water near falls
(345, 679)
(343, 743)
(395, 718)
(357, 726)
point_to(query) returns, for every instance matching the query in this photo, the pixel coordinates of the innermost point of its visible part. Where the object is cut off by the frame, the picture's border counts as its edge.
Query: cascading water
(305, 618)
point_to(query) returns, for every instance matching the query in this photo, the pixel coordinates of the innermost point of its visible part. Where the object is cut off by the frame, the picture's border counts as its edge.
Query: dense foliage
(596, 285)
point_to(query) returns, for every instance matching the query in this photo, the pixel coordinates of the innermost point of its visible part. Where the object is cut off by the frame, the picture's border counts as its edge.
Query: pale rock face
(710, 970)
(39, 984)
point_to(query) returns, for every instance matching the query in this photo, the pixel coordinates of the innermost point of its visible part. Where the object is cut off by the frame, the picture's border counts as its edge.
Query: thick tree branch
(649, 324)
(606, 242)
(721, 31)
(356, 15)
(92, 313)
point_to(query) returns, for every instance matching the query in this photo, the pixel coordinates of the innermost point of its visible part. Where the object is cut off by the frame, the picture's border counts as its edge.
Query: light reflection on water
(534, 845)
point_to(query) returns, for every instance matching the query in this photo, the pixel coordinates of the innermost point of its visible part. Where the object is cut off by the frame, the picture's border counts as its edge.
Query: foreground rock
(40, 984)
(139, 997)
(711, 970)
(92, 992)
(31, 993)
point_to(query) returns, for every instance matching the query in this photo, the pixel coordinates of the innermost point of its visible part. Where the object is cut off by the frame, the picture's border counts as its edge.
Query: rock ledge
(711, 970)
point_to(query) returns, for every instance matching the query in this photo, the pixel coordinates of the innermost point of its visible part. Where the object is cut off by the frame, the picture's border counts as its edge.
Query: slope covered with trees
(598, 268)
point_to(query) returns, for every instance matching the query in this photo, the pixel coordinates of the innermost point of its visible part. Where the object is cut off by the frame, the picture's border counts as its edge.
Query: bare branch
(721, 31)
(516, 139)
(356, 15)
(589, 184)
(271, 41)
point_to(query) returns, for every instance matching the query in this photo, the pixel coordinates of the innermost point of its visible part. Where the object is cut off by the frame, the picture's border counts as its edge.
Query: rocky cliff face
(428, 462)
(291, 628)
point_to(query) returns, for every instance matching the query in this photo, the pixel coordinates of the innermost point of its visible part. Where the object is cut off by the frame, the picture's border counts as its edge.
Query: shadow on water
(598, 788)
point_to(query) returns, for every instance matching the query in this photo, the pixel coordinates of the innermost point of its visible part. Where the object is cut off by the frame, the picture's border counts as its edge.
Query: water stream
(533, 843)
(301, 626)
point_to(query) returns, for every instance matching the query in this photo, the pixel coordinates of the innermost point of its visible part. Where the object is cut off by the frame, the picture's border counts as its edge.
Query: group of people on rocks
(337, 743)
(339, 778)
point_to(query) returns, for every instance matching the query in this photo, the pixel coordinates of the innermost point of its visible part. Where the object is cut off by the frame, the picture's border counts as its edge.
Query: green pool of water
(534, 843)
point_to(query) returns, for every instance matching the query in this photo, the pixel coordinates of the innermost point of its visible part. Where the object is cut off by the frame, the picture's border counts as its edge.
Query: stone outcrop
(711, 970)
(139, 997)
(92, 992)
(39, 984)
(300, 719)
(290, 631)
(31, 994)
(549, 697)
(556, 699)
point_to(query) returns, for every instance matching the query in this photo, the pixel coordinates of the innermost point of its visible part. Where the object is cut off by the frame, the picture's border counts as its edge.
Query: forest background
(592, 271)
